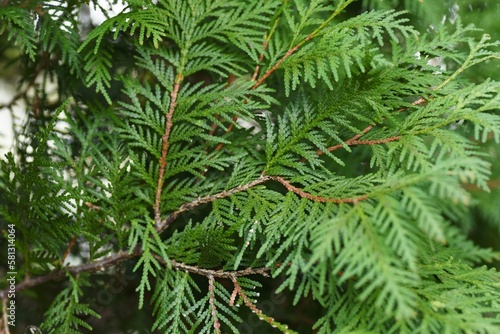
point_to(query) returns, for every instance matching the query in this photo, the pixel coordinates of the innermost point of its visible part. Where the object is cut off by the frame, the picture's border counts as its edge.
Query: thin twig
(261, 58)
(239, 291)
(231, 78)
(68, 250)
(101, 265)
(219, 273)
(299, 44)
(226, 193)
(112, 260)
(315, 198)
(98, 265)
(232, 299)
(208, 199)
(354, 140)
(211, 300)
(278, 63)
(165, 147)
(265, 44)
(229, 129)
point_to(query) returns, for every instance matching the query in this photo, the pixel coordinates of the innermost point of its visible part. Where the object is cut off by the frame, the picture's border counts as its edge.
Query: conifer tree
(270, 166)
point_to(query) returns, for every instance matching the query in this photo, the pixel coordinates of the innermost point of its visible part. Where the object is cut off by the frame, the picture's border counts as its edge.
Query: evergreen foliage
(211, 151)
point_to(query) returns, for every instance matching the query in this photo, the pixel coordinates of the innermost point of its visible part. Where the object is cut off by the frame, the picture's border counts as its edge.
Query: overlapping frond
(64, 315)
(144, 235)
(19, 22)
(40, 187)
(59, 31)
(347, 43)
(175, 304)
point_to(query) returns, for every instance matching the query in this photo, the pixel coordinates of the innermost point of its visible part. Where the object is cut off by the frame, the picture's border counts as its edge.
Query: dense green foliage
(198, 157)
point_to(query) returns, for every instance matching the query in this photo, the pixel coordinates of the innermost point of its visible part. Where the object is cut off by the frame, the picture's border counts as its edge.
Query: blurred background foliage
(39, 103)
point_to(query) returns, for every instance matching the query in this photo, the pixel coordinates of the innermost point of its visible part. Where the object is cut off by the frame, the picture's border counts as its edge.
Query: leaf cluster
(207, 142)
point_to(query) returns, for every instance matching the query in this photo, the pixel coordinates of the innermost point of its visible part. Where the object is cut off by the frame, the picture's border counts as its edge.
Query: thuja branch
(472, 59)
(267, 38)
(261, 57)
(211, 300)
(278, 63)
(231, 78)
(315, 198)
(353, 141)
(220, 273)
(238, 291)
(293, 49)
(165, 146)
(94, 266)
(121, 256)
(163, 224)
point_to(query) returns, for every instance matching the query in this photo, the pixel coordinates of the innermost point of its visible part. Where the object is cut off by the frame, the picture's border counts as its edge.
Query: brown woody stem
(207, 199)
(354, 140)
(278, 63)
(315, 198)
(211, 300)
(103, 264)
(165, 147)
